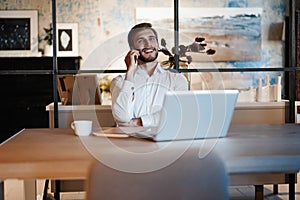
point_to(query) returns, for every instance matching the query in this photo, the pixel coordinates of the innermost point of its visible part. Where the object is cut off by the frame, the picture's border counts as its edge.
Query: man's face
(146, 43)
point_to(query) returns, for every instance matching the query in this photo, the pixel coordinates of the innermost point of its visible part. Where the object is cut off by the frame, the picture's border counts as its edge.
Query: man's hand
(131, 63)
(133, 122)
(136, 122)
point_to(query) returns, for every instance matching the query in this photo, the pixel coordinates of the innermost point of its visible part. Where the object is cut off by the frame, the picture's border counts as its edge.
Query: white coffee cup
(82, 127)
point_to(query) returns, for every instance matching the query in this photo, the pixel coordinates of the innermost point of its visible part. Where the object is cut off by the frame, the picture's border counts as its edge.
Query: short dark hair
(137, 28)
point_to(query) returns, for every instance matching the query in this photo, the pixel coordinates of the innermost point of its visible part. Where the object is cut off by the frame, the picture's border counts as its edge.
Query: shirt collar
(158, 69)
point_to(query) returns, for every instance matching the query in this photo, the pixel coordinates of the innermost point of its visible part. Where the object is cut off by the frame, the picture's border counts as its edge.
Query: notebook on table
(193, 114)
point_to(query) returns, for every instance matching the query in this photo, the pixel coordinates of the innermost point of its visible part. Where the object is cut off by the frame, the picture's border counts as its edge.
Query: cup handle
(73, 125)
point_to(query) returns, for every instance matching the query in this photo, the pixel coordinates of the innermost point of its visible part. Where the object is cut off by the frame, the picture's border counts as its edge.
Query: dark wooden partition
(26, 86)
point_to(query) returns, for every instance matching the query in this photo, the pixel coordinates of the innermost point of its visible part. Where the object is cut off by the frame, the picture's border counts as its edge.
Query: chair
(187, 178)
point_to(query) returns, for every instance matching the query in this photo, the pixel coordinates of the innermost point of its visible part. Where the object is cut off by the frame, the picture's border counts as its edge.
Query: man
(138, 95)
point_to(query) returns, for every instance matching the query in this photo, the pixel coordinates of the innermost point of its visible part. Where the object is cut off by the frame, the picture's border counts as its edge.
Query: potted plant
(198, 46)
(104, 83)
(48, 51)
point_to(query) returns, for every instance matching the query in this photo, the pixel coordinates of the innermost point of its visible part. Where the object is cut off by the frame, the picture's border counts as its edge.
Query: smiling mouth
(148, 51)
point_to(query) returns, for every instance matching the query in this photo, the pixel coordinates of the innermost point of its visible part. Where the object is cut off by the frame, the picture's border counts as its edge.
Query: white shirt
(143, 98)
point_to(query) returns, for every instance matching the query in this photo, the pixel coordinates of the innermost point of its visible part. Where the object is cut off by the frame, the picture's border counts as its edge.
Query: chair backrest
(187, 178)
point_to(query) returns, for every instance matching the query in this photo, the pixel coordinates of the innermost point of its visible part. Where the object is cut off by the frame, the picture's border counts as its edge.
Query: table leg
(259, 192)
(57, 190)
(1, 190)
(292, 181)
(275, 189)
(30, 189)
(45, 192)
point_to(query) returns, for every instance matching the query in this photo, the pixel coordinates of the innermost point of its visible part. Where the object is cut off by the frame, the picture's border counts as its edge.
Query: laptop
(196, 114)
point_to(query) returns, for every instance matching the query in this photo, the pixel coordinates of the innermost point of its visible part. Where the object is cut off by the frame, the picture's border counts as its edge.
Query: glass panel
(245, 34)
(248, 83)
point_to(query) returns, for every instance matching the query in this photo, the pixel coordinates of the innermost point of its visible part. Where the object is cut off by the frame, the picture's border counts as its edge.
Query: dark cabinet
(26, 88)
(297, 54)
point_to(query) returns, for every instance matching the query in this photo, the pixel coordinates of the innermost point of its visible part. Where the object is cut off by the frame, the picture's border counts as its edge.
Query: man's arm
(132, 122)
(122, 106)
(122, 91)
(122, 99)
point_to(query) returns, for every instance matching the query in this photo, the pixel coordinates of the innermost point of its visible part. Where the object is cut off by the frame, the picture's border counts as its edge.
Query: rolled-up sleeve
(122, 92)
(151, 120)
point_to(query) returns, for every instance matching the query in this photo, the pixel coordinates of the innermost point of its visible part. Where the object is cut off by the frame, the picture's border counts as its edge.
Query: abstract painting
(235, 33)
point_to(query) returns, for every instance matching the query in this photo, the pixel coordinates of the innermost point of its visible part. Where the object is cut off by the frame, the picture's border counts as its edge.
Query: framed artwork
(18, 33)
(235, 33)
(67, 39)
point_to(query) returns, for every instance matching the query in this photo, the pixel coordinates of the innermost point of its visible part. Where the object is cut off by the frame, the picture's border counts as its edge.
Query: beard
(146, 60)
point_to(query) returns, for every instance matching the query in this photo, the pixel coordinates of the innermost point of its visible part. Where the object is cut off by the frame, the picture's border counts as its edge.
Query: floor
(14, 190)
